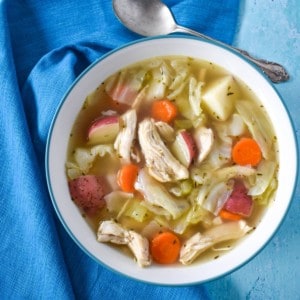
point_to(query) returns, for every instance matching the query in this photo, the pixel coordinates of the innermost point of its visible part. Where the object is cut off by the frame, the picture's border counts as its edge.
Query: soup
(172, 158)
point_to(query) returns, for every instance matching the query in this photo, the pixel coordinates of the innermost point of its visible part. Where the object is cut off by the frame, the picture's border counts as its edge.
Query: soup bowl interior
(71, 104)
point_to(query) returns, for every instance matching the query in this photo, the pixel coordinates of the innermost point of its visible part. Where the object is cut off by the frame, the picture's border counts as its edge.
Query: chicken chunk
(110, 231)
(124, 141)
(162, 165)
(199, 242)
(139, 246)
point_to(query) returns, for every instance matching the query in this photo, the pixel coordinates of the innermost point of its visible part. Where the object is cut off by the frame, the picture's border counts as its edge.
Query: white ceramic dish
(59, 137)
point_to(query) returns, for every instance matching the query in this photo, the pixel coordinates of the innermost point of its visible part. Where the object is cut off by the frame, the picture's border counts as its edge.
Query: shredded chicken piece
(124, 141)
(162, 165)
(139, 246)
(110, 231)
(204, 139)
(199, 242)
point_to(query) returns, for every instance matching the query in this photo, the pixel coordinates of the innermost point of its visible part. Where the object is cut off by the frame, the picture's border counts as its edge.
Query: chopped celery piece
(183, 124)
(186, 186)
(196, 214)
(136, 211)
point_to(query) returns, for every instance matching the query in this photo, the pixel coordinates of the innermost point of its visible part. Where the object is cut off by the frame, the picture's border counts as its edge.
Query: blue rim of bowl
(49, 137)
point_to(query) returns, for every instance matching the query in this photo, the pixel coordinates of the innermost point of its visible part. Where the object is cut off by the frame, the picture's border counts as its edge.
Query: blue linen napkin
(45, 45)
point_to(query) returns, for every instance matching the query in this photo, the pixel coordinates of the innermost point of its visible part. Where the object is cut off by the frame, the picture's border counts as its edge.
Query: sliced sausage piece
(87, 192)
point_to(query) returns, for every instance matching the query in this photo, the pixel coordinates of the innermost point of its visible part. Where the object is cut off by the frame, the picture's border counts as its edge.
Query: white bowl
(58, 139)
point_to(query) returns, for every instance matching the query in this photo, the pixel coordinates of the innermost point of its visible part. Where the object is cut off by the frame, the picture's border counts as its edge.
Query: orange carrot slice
(164, 110)
(246, 152)
(127, 176)
(224, 214)
(165, 248)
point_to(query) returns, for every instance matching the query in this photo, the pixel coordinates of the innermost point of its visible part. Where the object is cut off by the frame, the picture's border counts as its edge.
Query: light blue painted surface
(271, 29)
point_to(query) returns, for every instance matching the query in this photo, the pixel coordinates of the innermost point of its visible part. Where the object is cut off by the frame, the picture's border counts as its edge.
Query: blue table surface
(271, 29)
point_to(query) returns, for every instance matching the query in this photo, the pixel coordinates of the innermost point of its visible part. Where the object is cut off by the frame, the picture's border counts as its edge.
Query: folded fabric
(45, 45)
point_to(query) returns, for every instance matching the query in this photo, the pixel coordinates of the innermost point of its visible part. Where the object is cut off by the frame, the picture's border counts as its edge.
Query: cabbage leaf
(264, 174)
(258, 125)
(84, 159)
(155, 194)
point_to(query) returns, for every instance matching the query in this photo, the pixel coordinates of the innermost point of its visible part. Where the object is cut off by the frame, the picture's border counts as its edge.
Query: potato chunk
(219, 97)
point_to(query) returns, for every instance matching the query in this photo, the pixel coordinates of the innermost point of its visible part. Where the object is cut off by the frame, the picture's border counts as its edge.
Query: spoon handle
(274, 71)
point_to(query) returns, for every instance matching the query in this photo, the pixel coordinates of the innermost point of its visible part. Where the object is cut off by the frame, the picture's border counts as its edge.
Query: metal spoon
(152, 17)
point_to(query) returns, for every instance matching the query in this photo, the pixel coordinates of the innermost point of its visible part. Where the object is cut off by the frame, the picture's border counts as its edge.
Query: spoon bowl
(147, 18)
(151, 18)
